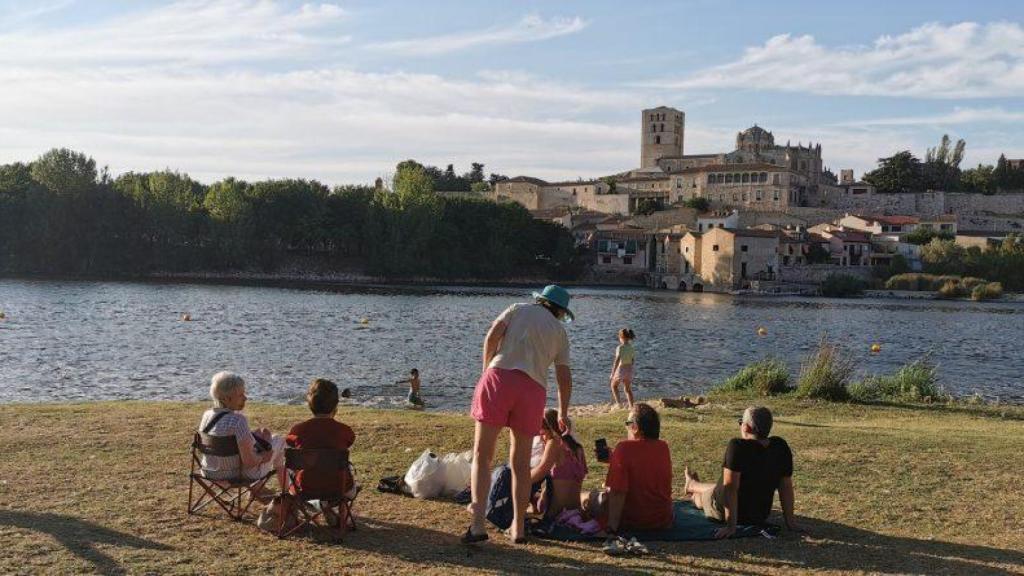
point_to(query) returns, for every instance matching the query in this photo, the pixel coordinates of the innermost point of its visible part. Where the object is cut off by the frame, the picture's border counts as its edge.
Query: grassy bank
(101, 488)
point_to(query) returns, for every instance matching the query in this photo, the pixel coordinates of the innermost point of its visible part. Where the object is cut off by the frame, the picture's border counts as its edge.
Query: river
(75, 340)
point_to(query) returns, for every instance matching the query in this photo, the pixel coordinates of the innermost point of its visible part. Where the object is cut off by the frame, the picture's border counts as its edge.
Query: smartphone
(601, 450)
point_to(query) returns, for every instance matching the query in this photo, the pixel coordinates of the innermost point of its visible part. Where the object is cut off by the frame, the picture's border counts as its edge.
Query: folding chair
(325, 463)
(234, 495)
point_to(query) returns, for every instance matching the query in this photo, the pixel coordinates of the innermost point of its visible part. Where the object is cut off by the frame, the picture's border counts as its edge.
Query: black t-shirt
(761, 469)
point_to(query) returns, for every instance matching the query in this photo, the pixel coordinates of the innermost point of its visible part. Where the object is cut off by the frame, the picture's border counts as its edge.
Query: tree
(495, 178)
(900, 172)
(65, 172)
(476, 173)
(941, 169)
(648, 206)
(980, 179)
(698, 203)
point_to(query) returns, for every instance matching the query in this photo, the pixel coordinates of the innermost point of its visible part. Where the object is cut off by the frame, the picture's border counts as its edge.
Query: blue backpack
(500, 510)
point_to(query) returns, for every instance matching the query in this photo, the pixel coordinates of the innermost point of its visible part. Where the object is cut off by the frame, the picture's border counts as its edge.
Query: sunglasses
(630, 422)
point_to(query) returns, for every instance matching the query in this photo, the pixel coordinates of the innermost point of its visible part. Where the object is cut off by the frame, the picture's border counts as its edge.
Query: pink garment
(573, 519)
(509, 398)
(570, 469)
(624, 372)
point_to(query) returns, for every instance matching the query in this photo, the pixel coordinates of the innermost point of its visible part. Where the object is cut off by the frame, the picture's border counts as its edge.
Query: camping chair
(323, 462)
(234, 495)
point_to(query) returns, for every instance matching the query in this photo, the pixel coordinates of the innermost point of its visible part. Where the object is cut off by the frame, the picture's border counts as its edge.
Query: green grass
(914, 382)
(101, 488)
(766, 377)
(825, 374)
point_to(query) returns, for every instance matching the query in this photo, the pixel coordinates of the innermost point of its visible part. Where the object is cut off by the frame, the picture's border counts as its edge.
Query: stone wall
(816, 273)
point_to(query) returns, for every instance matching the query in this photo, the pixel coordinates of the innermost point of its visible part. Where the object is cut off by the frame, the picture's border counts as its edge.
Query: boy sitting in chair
(323, 431)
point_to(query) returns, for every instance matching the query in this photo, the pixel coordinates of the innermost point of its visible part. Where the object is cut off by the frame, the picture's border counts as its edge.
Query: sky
(342, 91)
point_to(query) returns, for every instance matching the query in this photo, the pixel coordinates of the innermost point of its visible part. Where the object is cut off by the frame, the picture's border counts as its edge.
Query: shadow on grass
(435, 548)
(838, 547)
(80, 537)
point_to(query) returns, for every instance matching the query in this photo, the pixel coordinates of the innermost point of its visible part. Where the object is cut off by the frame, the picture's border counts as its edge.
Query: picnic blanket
(689, 523)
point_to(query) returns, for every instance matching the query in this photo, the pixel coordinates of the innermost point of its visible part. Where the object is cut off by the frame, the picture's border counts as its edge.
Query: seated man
(638, 488)
(755, 466)
(323, 431)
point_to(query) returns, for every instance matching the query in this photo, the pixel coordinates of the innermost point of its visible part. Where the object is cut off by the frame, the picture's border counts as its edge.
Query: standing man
(522, 343)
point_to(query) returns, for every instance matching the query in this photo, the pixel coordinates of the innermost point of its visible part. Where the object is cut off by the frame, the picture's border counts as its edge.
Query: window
(743, 248)
(743, 270)
(714, 248)
(686, 249)
(686, 266)
(735, 197)
(700, 227)
(785, 260)
(803, 166)
(627, 260)
(653, 126)
(606, 259)
(602, 246)
(728, 178)
(679, 182)
(711, 178)
(661, 128)
(745, 178)
(757, 195)
(763, 177)
(744, 196)
(775, 195)
(736, 178)
(657, 139)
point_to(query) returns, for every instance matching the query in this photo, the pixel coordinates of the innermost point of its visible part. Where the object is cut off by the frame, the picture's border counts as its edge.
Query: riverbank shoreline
(122, 469)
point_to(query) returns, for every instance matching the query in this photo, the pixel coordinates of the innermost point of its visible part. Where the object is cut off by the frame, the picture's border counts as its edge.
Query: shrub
(842, 285)
(825, 374)
(914, 382)
(953, 289)
(699, 203)
(987, 291)
(970, 282)
(766, 377)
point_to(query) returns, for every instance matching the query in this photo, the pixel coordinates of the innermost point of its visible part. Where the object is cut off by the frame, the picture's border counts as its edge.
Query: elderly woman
(523, 342)
(259, 451)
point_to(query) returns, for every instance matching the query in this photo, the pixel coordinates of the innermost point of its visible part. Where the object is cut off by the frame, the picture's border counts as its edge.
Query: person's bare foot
(691, 477)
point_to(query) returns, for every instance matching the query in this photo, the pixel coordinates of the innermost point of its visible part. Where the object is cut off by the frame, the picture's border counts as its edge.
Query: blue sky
(341, 91)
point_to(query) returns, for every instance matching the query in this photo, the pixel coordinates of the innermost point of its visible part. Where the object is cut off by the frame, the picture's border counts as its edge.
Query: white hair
(222, 385)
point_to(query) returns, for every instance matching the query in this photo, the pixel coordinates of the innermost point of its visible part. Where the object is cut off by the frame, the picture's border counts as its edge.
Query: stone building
(662, 130)
(721, 259)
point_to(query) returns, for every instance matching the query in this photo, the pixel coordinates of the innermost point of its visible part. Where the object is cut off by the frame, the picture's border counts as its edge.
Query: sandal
(470, 538)
(614, 546)
(636, 548)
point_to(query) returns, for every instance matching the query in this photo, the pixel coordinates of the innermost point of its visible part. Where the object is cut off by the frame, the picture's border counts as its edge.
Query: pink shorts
(509, 398)
(624, 372)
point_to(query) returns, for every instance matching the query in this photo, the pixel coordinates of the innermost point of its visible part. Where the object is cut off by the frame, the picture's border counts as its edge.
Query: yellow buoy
(364, 320)
(876, 348)
(186, 317)
(762, 331)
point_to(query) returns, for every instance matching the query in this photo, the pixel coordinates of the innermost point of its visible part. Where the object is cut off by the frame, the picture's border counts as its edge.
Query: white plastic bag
(457, 470)
(425, 477)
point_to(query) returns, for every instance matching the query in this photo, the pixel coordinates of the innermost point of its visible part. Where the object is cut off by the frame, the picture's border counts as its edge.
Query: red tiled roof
(898, 220)
(851, 236)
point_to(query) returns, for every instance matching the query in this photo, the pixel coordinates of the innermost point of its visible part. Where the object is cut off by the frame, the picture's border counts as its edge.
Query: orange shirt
(321, 433)
(643, 470)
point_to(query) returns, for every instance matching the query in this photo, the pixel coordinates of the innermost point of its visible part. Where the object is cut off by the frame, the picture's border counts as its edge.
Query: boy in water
(414, 388)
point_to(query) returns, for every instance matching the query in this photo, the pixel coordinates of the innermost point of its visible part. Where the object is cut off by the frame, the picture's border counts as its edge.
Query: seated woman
(259, 452)
(323, 431)
(564, 460)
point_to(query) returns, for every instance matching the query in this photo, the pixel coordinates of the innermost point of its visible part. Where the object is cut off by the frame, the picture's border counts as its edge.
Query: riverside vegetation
(60, 215)
(110, 498)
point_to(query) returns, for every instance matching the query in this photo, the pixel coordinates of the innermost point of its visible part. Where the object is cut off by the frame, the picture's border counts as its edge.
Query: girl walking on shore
(622, 367)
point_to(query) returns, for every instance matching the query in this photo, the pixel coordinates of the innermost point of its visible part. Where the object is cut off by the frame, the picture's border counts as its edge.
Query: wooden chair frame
(327, 461)
(236, 495)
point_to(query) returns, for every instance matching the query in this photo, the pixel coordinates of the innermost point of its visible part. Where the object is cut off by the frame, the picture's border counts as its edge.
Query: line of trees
(1003, 263)
(61, 215)
(940, 170)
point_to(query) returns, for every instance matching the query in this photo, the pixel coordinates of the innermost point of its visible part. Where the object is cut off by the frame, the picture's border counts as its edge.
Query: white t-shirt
(534, 340)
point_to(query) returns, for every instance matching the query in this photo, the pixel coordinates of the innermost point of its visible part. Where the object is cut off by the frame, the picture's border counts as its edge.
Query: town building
(722, 260)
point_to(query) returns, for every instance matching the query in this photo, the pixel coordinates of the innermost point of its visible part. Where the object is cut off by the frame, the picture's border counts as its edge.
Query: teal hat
(558, 296)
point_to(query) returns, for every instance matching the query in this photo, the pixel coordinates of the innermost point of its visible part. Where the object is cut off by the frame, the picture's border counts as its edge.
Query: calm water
(65, 341)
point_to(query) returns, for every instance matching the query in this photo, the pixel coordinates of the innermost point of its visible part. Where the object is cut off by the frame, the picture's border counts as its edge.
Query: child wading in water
(622, 367)
(414, 388)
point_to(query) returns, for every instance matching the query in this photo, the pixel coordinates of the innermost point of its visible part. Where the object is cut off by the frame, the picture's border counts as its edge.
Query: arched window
(764, 177)
(745, 178)
(657, 139)
(711, 178)
(728, 178)
(661, 128)
(654, 127)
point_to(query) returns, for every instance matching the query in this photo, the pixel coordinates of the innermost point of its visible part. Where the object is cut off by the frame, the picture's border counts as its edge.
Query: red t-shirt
(321, 433)
(643, 470)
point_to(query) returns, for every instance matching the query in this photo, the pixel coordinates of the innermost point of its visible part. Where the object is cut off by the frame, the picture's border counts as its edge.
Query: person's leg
(627, 384)
(520, 458)
(484, 440)
(615, 392)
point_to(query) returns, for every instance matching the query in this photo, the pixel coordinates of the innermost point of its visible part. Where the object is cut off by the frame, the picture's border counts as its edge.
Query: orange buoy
(876, 348)
(762, 331)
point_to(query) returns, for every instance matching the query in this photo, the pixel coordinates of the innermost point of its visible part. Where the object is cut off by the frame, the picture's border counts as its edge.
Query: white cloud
(965, 60)
(530, 28)
(957, 116)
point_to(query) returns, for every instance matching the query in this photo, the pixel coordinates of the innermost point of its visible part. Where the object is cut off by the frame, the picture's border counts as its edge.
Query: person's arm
(786, 499)
(547, 462)
(616, 504)
(564, 376)
(247, 451)
(492, 342)
(730, 493)
(615, 364)
(406, 381)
